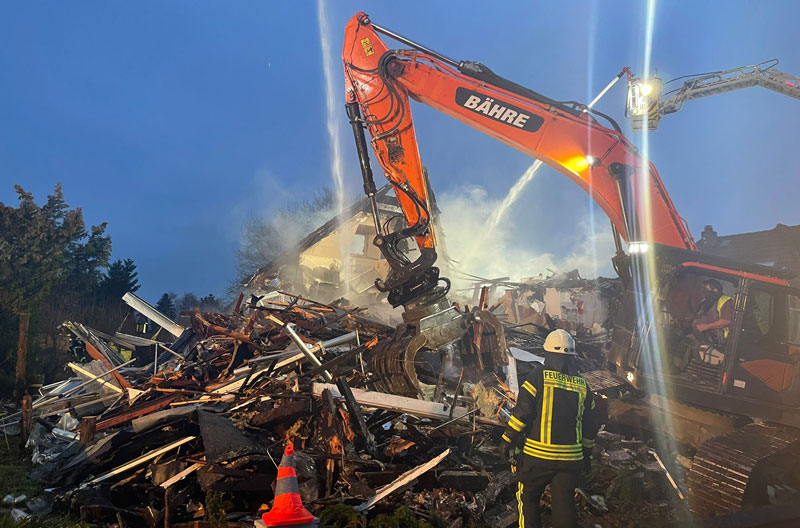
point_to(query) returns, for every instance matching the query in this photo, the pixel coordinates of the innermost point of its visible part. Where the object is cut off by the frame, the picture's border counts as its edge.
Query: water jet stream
(500, 210)
(332, 102)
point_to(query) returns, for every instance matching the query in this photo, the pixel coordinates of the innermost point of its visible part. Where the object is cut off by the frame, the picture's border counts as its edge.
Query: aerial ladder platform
(646, 105)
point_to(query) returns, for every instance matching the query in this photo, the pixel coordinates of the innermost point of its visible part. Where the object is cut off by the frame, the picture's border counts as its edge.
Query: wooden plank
(27, 416)
(139, 461)
(167, 508)
(234, 386)
(135, 413)
(96, 354)
(402, 481)
(175, 478)
(93, 377)
(381, 400)
(297, 357)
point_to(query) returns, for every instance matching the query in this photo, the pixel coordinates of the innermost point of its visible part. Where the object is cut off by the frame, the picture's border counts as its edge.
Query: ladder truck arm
(647, 106)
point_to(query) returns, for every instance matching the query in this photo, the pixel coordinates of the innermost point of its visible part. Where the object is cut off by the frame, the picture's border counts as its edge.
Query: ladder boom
(731, 80)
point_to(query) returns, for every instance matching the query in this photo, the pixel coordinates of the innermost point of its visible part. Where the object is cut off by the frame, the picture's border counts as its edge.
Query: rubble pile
(203, 423)
(630, 486)
(191, 429)
(584, 307)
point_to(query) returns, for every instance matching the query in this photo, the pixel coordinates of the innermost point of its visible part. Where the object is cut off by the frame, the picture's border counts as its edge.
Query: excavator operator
(713, 318)
(555, 423)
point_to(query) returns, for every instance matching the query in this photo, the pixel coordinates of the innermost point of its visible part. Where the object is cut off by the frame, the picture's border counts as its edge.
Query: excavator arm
(379, 82)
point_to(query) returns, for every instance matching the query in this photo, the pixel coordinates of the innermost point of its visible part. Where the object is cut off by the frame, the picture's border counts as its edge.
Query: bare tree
(264, 239)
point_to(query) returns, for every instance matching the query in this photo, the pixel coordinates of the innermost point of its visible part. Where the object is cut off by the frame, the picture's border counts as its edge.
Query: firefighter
(554, 423)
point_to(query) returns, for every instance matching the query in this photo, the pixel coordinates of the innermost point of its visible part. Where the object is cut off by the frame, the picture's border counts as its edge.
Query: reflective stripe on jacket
(554, 418)
(720, 303)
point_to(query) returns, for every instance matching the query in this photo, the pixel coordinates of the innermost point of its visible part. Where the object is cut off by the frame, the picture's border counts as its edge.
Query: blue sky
(175, 121)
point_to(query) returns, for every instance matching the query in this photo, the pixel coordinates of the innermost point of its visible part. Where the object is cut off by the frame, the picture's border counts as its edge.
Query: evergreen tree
(42, 248)
(82, 265)
(188, 302)
(166, 305)
(120, 278)
(209, 303)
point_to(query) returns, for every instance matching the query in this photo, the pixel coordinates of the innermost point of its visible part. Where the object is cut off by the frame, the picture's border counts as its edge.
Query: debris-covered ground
(196, 436)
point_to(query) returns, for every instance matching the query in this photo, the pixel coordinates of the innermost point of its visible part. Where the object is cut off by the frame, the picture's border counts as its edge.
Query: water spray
(332, 102)
(500, 210)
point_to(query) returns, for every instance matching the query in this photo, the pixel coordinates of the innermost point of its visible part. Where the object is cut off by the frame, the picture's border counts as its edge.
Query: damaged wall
(338, 259)
(568, 300)
(346, 255)
(580, 307)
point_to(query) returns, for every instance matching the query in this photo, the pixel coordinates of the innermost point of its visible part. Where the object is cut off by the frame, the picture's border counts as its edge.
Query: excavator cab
(751, 366)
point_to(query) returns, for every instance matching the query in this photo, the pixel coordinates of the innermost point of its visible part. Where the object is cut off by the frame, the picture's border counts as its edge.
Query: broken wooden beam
(93, 377)
(135, 413)
(402, 481)
(27, 416)
(87, 430)
(382, 400)
(139, 461)
(212, 329)
(179, 476)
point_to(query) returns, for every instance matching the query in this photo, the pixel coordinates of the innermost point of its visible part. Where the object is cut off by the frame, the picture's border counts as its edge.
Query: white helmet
(559, 342)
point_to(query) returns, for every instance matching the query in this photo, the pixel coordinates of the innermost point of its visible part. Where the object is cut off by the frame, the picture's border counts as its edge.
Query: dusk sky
(176, 121)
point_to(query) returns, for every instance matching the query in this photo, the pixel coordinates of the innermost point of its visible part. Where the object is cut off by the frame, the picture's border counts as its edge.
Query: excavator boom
(566, 136)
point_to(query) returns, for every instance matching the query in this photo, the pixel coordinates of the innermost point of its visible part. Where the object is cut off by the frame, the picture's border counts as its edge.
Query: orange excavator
(747, 376)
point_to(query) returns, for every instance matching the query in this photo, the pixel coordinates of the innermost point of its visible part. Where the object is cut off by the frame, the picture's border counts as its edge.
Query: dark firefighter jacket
(554, 420)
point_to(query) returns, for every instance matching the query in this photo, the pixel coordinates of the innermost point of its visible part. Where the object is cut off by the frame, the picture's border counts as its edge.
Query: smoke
(272, 217)
(468, 210)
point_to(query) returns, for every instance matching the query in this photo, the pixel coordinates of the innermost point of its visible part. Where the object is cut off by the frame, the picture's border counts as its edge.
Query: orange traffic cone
(288, 509)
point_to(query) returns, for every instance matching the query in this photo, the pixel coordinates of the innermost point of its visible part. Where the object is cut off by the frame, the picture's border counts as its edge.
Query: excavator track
(724, 466)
